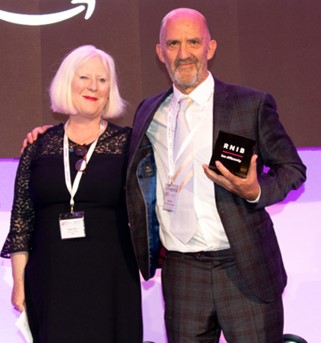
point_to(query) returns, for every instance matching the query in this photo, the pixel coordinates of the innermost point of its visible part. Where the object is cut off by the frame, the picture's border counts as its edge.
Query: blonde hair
(60, 88)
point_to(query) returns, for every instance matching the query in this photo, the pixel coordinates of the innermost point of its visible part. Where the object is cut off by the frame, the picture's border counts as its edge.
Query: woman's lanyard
(73, 188)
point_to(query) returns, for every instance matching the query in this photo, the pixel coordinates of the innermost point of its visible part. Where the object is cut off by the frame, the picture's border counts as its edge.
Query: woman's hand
(18, 263)
(18, 296)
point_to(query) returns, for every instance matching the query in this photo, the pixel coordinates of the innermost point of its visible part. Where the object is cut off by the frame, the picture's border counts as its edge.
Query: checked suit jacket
(242, 111)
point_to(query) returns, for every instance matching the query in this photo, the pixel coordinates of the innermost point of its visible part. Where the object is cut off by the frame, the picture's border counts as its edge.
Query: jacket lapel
(222, 109)
(143, 118)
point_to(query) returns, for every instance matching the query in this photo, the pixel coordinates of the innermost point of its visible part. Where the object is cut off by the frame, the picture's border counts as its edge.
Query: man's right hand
(33, 135)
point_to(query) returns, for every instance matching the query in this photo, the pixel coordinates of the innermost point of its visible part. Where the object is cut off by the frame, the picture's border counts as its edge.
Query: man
(223, 269)
(229, 275)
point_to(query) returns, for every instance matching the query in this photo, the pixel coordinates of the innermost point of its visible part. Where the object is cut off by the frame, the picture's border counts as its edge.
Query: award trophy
(234, 152)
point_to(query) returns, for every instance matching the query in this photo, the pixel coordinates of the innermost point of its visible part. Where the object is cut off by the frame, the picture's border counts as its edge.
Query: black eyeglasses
(81, 151)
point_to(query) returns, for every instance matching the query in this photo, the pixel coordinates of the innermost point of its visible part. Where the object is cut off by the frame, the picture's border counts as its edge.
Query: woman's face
(90, 88)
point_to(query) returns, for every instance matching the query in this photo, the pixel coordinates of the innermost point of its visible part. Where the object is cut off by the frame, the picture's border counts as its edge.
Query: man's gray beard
(185, 84)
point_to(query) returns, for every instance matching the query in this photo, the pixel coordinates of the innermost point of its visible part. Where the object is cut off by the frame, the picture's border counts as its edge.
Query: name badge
(170, 197)
(72, 225)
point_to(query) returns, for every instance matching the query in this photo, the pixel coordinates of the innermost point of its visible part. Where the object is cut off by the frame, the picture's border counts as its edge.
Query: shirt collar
(200, 94)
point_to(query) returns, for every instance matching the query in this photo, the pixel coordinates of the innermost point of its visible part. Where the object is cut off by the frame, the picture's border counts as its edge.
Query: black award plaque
(234, 152)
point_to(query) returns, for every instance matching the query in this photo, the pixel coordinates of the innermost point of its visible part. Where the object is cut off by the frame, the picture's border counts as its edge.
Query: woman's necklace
(90, 138)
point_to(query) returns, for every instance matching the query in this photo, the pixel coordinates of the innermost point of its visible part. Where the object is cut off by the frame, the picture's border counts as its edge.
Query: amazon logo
(87, 6)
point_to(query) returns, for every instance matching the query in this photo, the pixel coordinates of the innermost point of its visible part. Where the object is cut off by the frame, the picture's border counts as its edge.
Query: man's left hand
(248, 188)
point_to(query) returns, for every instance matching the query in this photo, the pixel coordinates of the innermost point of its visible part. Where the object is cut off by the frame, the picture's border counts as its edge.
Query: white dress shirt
(210, 234)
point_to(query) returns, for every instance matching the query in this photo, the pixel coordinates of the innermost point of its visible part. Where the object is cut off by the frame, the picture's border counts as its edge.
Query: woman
(73, 263)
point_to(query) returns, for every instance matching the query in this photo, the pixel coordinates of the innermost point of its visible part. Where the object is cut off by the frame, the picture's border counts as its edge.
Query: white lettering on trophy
(234, 148)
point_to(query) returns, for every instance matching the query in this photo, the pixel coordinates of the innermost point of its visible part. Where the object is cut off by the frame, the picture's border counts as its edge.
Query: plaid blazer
(246, 112)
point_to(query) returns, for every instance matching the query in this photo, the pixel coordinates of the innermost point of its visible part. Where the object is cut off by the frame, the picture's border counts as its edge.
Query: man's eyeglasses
(81, 164)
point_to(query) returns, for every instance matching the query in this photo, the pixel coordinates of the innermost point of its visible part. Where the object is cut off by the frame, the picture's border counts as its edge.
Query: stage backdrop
(273, 45)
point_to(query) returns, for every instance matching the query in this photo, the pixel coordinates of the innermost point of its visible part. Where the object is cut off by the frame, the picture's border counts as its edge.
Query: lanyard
(73, 188)
(171, 128)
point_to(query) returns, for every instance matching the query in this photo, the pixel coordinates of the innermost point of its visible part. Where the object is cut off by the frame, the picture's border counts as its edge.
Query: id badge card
(72, 225)
(170, 197)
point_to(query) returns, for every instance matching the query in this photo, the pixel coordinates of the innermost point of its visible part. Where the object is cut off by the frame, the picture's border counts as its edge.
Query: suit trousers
(205, 295)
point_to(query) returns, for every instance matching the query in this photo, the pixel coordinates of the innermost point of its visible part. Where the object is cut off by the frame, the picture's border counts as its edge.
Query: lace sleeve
(22, 214)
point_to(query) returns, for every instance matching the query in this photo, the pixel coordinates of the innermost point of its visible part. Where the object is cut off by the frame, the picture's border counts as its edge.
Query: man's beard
(181, 80)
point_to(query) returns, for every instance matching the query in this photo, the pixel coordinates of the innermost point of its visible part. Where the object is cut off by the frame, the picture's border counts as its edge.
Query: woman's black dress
(81, 289)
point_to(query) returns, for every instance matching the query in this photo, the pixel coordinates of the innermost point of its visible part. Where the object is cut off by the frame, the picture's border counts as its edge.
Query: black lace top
(114, 141)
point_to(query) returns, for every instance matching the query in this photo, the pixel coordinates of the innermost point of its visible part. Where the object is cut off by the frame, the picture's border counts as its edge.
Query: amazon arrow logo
(52, 18)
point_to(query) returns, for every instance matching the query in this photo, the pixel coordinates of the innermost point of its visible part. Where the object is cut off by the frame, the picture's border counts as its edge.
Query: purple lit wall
(297, 223)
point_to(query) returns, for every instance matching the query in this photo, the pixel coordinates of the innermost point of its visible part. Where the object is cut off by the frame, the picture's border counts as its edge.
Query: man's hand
(33, 135)
(248, 188)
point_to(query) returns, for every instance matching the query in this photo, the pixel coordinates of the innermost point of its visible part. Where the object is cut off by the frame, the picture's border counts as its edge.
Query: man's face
(185, 48)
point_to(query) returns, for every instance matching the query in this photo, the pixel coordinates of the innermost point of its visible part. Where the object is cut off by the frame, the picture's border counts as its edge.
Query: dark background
(272, 45)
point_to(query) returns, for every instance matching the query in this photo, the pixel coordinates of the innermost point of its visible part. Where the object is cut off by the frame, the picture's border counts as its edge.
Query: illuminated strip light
(46, 19)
